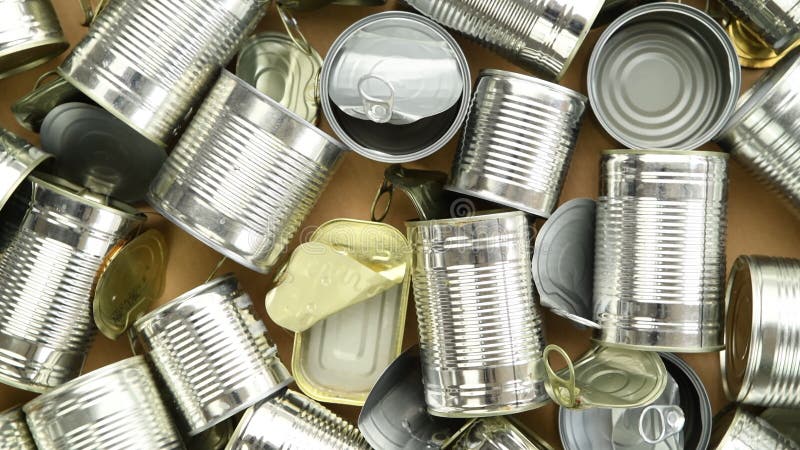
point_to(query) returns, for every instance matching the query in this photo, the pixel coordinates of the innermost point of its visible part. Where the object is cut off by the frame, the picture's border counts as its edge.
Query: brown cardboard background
(758, 222)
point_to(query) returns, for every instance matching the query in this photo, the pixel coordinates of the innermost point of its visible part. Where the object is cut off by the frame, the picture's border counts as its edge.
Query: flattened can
(14, 433)
(777, 22)
(30, 35)
(737, 429)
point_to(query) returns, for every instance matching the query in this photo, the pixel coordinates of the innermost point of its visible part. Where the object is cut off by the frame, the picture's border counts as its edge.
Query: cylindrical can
(150, 62)
(18, 158)
(30, 35)
(660, 250)
(764, 134)
(777, 22)
(47, 274)
(14, 434)
(541, 36)
(115, 407)
(737, 429)
(518, 141)
(292, 421)
(481, 336)
(761, 361)
(212, 352)
(245, 174)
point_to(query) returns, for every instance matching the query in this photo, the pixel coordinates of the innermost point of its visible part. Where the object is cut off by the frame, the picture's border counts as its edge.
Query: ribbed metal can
(737, 429)
(518, 141)
(541, 36)
(292, 421)
(764, 134)
(777, 22)
(150, 62)
(47, 276)
(481, 336)
(245, 174)
(116, 407)
(14, 434)
(212, 352)
(30, 35)
(660, 250)
(761, 361)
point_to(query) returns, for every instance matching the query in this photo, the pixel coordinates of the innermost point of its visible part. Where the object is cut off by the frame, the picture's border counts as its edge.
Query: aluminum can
(777, 22)
(14, 433)
(212, 352)
(30, 35)
(245, 174)
(737, 429)
(150, 62)
(47, 274)
(481, 336)
(659, 261)
(518, 141)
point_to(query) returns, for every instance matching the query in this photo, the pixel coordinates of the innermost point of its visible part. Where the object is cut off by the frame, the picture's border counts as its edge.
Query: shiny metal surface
(30, 110)
(496, 433)
(18, 158)
(47, 274)
(737, 429)
(423, 187)
(777, 22)
(212, 352)
(117, 407)
(660, 250)
(245, 174)
(30, 35)
(14, 434)
(152, 79)
(481, 334)
(694, 402)
(753, 52)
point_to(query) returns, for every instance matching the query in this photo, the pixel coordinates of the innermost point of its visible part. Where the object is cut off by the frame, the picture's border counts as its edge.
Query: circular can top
(743, 309)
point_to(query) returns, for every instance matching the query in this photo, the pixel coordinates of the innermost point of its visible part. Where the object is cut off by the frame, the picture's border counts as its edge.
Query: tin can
(763, 136)
(30, 110)
(518, 141)
(761, 361)
(777, 22)
(150, 62)
(31, 35)
(14, 433)
(292, 421)
(212, 352)
(481, 336)
(785, 420)
(47, 274)
(245, 174)
(541, 36)
(660, 250)
(109, 408)
(18, 158)
(736, 429)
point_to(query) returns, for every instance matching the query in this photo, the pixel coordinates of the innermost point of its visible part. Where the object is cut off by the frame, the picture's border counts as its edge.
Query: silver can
(30, 35)
(761, 361)
(245, 174)
(541, 36)
(212, 352)
(777, 22)
(737, 429)
(14, 433)
(47, 275)
(481, 336)
(113, 408)
(518, 141)
(660, 250)
(18, 158)
(150, 62)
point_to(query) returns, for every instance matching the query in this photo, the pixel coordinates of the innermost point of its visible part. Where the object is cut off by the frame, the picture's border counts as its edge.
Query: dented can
(14, 433)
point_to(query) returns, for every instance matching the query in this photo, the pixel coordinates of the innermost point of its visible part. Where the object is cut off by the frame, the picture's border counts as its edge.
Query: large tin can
(212, 352)
(115, 407)
(30, 35)
(14, 433)
(518, 142)
(245, 174)
(47, 274)
(777, 22)
(660, 250)
(481, 336)
(149, 62)
(737, 429)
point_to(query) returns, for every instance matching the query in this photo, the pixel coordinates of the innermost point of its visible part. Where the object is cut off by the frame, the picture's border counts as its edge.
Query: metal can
(777, 22)
(47, 275)
(481, 336)
(660, 250)
(541, 36)
(518, 141)
(150, 62)
(18, 158)
(737, 429)
(117, 406)
(212, 352)
(245, 174)
(31, 35)
(14, 433)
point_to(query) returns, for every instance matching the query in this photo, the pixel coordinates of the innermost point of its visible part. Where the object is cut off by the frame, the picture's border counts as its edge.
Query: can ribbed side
(14, 434)
(746, 431)
(776, 21)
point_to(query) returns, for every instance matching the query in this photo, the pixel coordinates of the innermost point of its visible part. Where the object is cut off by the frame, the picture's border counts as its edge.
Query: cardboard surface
(758, 222)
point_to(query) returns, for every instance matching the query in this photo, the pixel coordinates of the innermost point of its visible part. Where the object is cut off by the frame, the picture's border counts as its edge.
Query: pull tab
(386, 188)
(667, 420)
(378, 110)
(293, 30)
(564, 392)
(43, 77)
(216, 268)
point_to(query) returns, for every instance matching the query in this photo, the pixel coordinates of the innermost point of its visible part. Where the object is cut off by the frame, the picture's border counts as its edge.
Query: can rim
(183, 298)
(656, 152)
(62, 187)
(460, 221)
(533, 80)
(61, 46)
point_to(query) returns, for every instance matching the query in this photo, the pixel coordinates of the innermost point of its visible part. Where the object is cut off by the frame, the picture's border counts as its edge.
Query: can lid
(739, 320)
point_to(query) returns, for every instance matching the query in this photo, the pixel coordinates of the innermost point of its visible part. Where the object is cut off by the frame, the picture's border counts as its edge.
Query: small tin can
(109, 408)
(14, 433)
(659, 260)
(481, 335)
(31, 35)
(245, 174)
(737, 429)
(212, 352)
(777, 22)
(518, 141)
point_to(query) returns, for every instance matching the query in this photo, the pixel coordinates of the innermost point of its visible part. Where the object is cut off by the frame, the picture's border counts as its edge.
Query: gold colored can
(753, 52)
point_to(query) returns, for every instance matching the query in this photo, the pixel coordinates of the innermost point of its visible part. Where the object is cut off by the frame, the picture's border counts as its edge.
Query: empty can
(30, 35)
(660, 250)
(777, 22)
(481, 336)
(113, 408)
(47, 274)
(212, 352)
(737, 429)
(14, 434)
(245, 174)
(150, 62)
(518, 141)
(18, 158)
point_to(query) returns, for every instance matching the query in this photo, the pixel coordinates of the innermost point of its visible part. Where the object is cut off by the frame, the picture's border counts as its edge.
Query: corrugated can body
(660, 250)
(212, 352)
(116, 407)
(518, 142)
(14, 434)
(30, 35)
(481, 336)
(245, 174)
(150, 62)
(737, 429)
(777, 22)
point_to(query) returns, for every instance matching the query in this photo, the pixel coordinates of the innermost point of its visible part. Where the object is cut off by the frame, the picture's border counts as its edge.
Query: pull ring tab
(293, 30)
(90, 12)
(43, 77)
(386, 188)
(377, 109)
(668, 420)
(565, 393)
